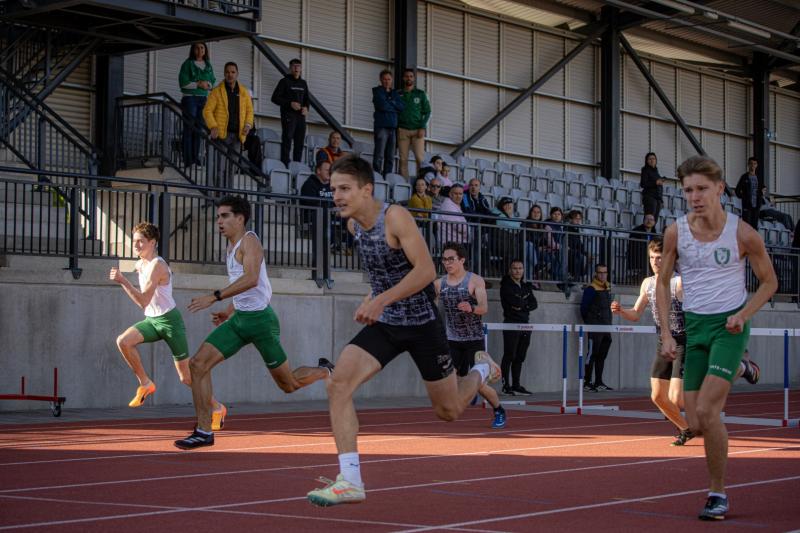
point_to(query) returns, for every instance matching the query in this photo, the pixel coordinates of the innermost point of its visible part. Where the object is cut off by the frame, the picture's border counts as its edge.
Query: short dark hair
(149, 231)
(555, 209)
(656, 245)
(752, 159)
(353, 165)
(457, 247)
(648, 154)
(573, 213)
(515, 260)
(331, 134)
(385, 72)
(436, 158)
(700, 164)
(238, 205)
(411, 70)
(598, 265)
(295, 61)
(229, 64)
(206, 56)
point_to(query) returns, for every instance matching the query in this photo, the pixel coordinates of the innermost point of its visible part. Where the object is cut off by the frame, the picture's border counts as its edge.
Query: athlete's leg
(184, 373)
(127, 343)
(200, 365)
(710, 401)
(690, 403)
(676, 392)
(290, 380)
(660, 395)
(490, 395)
(450, 396)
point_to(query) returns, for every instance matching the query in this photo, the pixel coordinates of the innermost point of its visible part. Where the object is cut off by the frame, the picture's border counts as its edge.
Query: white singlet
(162, 302)
(256, 298)
(712, 272)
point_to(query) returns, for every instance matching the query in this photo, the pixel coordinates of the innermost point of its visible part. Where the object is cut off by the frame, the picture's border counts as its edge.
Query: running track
(543, 472)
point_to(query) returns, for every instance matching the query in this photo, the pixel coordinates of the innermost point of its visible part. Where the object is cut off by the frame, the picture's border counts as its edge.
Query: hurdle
(565, 329)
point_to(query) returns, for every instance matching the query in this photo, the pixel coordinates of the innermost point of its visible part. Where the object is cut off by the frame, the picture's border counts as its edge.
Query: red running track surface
(543, 472)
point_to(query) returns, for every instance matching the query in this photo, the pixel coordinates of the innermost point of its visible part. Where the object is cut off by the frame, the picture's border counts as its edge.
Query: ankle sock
(350, 468)
(483, 370)
(717, 494)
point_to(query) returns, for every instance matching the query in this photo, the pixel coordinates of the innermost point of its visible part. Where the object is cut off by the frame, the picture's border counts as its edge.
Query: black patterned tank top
(676, 325)
(460, 326)
(386, 266)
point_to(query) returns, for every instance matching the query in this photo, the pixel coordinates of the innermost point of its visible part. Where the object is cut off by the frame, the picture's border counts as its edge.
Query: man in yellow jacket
(229, 115)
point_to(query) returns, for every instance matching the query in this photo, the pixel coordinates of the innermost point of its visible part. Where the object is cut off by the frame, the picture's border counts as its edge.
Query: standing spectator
(596, 309)
(291, 95)
(554, 244)
(229, 115)
(750, 189)
(475, 202)
(637, 247)
(420, 199)
(435, 192)
(534, 238)
(452, 227)
(578, 253)
(508, 238)
(517, 299)
(652, 186)
(333, 151)
(388, 104)
(196, 79)
(412, 121)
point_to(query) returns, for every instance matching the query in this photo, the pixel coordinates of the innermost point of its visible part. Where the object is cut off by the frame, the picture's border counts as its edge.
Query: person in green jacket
(412, 121)
(196, 78)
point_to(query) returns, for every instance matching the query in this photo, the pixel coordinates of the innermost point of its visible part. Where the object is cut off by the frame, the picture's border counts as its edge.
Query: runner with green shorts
(248, 319)
(162, 320)
(711, 246)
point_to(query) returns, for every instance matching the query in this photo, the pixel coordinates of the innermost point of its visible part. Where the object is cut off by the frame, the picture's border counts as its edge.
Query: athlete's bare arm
(159, 276)
(634, 313)
(250, 254)
(401, 232)
(663, 296)
(752, 245)
(477, 287)
(221, 316)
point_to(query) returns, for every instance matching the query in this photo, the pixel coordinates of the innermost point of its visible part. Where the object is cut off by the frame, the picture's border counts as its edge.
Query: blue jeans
(192, 107)
(383, 156)
(531, 258)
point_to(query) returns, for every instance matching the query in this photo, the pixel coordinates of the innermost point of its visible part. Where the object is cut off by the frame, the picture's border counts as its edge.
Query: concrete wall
(48, 319)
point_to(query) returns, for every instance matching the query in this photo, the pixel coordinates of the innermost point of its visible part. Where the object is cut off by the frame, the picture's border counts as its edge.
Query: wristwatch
(218, 295)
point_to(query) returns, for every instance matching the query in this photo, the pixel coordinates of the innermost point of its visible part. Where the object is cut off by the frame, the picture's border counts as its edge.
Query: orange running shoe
(218, 417)
(142, 392)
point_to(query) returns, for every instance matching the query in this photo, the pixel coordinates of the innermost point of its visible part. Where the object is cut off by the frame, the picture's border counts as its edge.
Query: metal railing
(229, 7)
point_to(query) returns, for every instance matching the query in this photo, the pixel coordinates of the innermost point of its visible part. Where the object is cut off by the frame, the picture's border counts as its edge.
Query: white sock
(717, 494)
(483, 370)
(350, 468)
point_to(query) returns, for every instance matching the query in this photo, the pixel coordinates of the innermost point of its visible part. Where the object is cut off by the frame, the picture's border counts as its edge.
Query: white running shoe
(336, 492)
(494, 368)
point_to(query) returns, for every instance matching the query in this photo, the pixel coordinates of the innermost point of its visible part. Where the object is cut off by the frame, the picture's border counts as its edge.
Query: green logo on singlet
(722, 256)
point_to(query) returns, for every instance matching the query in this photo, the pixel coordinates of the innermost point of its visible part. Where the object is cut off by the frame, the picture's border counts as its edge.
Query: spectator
(333, 151)
(578, 253)
(229, 115)
(434, 170)
(420, 199)
(518, 300)
(768, 212)
(652, 186)
(452, 227)
(435, 192)
(750, 190)
(387, 104)
(446, 172)
(474, 202)
(291, 95)
(534, 239)
(596, 309)
(196, 79)
(412, 121)
(637, 248)
(507, 239)
(554, 244)
(796, 237)
(318, 185)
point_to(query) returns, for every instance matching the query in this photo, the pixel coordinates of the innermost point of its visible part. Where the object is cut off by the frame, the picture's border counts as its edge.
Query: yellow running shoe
(142, 392)
(336, 492)
(218, 417)
(494, 368)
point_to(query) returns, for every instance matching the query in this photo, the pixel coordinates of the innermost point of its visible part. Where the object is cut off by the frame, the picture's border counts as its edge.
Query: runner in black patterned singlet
(463, 296)
(399, 315)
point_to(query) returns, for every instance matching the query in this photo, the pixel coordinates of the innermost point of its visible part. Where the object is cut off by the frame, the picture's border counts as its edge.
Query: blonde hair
(149, 231)
(700, 164)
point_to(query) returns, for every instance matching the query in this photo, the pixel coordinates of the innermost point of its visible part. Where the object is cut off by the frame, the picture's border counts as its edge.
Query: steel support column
(661, 95)
(761, 114)
(610, 74)
(405, 38)
(110, 73)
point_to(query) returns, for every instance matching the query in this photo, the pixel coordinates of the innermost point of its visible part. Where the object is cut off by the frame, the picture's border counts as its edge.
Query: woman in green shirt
(196, 79)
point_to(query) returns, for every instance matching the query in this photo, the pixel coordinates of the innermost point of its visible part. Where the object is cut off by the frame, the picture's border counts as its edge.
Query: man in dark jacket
(596, 309)
(749, 190)
(388, 104)
(637, 248)
(517, 299)
(291, 95)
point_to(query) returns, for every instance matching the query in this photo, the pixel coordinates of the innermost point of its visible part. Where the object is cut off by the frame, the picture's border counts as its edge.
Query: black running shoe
(195, 440)
(716, 508)
(682, 437)
(324, 363)
(522, 391)
(602, 386)
(508, 391)
(752, 372)
(588, 387)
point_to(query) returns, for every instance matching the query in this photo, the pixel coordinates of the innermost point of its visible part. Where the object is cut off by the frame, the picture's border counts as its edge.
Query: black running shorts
(463, 355)
(427, 345)
(666, 369)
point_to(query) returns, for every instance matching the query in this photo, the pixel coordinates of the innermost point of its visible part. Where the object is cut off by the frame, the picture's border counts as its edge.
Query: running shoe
(336, 492)
(588, 387)
(682, 437)
(508, 391)
(499, 419)
(522, 391)
(324, 363)
(218, 417)
(142, 392)
(752, 372)
(494, 368)
(716, 508)
(602, 386)
(195, 440)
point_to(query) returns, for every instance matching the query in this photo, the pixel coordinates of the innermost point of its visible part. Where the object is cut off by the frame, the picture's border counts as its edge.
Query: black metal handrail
(229, 7)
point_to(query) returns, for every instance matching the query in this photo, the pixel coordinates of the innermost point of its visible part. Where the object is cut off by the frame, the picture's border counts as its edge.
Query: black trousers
(751, 217)
(515, 350)
(293, 130)
(652, 206)
(601, 343)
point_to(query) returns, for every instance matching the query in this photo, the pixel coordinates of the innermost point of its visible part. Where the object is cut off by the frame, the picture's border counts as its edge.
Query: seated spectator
(579, 254)
(420, 199)
(534, 239)
(318, 185)
(333, 151)
(637, 259)
(768, 212)
(554, 244)
(435, 192)
(445, 172)
(474, 202)
(506, 240)
(452, 227)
